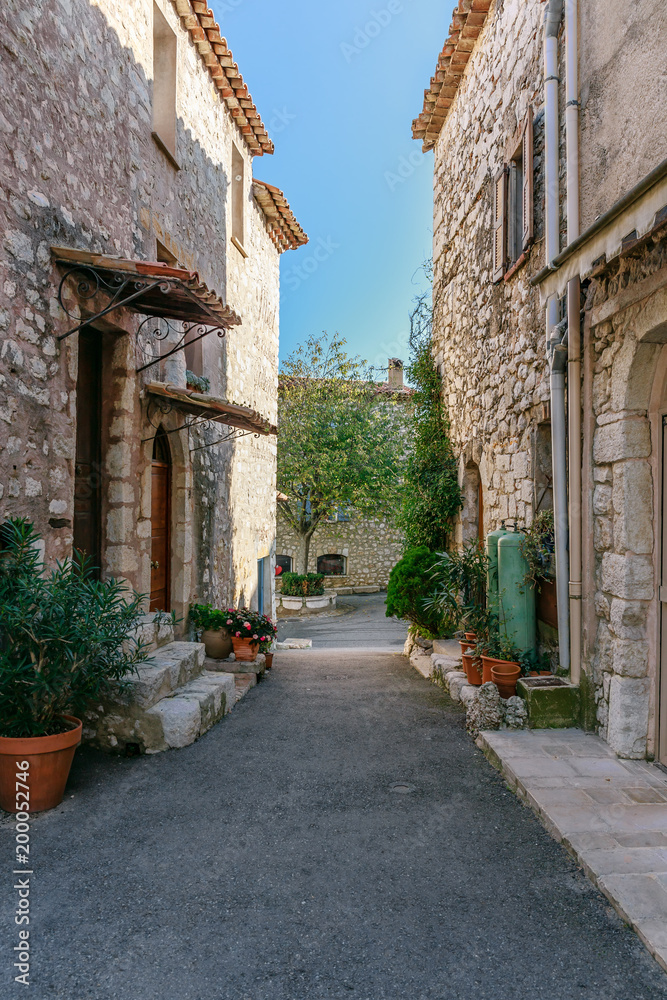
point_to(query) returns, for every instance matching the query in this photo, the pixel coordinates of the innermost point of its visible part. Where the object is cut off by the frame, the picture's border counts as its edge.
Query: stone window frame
(336, 555)
(165, 85)
(238, 219)
(513, 235)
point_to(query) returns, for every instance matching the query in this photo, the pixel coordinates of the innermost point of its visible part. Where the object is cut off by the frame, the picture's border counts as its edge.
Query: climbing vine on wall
(431, 494)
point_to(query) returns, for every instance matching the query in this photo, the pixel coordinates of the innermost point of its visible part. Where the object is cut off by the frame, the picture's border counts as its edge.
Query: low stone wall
(287, 605)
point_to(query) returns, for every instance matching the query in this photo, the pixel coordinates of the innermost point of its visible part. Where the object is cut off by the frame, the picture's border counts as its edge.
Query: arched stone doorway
(472, 512)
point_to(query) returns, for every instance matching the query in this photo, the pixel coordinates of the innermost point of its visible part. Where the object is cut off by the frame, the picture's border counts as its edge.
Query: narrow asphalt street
(359, 622)
(337, 836)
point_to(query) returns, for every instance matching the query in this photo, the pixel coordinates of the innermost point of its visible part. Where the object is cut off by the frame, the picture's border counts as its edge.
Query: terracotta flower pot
(472, 667)
(466, 645)
(245, 649)
(269, 660)
(471, 636)
(218, 643)
(49, 761)
(486, 669)
(504, 675)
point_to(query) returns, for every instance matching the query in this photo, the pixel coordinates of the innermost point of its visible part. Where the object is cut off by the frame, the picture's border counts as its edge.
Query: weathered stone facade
(489, 339)
(371, 550)
(81, 169)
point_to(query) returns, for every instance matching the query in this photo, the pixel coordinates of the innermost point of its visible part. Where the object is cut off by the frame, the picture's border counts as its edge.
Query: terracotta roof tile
(468, 20)
(282, 227)
(205, 33)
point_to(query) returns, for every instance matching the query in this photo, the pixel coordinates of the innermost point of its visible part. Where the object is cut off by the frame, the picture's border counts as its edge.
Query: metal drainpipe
(574, 335)
(556, 350)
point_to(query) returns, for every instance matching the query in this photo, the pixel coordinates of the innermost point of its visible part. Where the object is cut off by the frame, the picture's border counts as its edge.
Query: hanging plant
(537, 548)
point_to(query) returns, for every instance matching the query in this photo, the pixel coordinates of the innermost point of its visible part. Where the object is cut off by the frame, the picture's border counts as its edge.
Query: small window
(513, 202)
(164, 83)
(332, 565)
(238, 200)
(285, 563)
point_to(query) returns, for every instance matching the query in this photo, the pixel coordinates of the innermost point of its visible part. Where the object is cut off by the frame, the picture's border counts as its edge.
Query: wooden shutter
(500, 224)
(527, 159)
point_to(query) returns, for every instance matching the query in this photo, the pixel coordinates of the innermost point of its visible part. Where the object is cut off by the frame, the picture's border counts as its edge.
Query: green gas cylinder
(492, 540)
(516, 597)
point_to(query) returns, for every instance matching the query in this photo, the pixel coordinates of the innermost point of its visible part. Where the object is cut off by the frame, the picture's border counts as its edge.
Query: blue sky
(337, 85)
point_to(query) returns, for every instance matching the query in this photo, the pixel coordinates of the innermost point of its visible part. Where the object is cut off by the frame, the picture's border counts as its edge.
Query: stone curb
(657, 948)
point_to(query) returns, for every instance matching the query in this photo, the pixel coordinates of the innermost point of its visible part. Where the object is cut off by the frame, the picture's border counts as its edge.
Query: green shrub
(64, 636)
(302, 584)
(207, 618)
(410, 586)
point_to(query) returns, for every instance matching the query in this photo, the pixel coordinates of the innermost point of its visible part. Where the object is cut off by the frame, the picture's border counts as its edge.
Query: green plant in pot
(212, 624)
(500, 661)
(248, 630)
(65, 639)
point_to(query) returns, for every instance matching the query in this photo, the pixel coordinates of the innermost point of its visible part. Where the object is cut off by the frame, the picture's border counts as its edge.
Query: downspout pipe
(574, 337)
(556, 349)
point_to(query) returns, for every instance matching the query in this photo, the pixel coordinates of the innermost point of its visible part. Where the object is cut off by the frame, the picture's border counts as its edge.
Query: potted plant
(65, 639)
(500, 662)
(215, 632)
(197, 383)
(248, 629)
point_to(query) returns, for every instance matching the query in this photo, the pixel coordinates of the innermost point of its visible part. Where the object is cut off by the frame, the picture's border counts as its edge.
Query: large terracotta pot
(245, 649)
(471, 636)
(49, 760)
(466, 645)
(504, 675)
(218, 643)
(486, 669)
(473, 670)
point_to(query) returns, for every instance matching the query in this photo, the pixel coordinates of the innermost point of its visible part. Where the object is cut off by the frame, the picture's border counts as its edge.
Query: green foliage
(200, 382)
(207, 618)
(496, 645)
(337, 446)
(410, 586)
(302, 584)
(63, 635)
(538, 546)
(459, 587)
(431, 497)
(531, 661)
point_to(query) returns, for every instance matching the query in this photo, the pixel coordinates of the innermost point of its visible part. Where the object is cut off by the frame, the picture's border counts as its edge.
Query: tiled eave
(205, 33)
(468, 20)
(282, 227)
(201, 404)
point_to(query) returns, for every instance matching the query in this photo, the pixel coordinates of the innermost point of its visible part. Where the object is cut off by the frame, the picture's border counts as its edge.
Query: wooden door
(662, 692)
(160, 524)
(88, 469)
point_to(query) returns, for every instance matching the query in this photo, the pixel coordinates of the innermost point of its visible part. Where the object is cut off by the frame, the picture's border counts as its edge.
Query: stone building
(354, 553)
(549, 135)
(136, 244)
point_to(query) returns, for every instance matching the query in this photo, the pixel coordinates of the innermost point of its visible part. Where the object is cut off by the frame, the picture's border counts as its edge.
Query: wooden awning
(201, 404)
(147, 287)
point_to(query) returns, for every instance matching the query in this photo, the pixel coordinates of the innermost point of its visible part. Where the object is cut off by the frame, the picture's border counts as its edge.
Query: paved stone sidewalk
(610, 814)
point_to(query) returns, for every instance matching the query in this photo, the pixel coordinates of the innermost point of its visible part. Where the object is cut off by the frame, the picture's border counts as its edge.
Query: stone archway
(629, 400)
(472, 512)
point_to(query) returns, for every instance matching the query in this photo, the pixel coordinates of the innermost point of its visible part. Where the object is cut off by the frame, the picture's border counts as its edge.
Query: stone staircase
(168, 704)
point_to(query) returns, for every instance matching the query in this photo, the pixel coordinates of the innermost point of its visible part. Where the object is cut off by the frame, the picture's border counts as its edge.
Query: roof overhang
(201, 404)
(281, 225)
(468, 20)
(205, 33)
(146, 287)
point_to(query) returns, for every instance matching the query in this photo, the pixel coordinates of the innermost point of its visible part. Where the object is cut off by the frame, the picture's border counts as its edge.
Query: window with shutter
(499, 224)
(527, 167)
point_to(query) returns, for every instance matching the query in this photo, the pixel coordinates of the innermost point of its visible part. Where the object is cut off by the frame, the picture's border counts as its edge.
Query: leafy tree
(431, 493)
(339, 444)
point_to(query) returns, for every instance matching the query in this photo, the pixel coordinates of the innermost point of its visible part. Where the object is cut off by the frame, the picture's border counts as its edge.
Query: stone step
(243, 683)
(181, 718)
(167, 669)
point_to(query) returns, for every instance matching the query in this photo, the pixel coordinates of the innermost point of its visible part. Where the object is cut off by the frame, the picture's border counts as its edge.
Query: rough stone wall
(80, 169)
(372, 549)
(623, 91)
(489, 338)
(625, 377)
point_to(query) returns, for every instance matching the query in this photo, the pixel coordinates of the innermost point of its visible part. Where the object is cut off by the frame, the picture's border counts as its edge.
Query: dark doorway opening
(160, 524)
(88, 469)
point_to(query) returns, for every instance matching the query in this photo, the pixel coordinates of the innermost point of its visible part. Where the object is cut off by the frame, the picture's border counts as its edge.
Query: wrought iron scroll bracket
(122, 288)
(164, 328)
